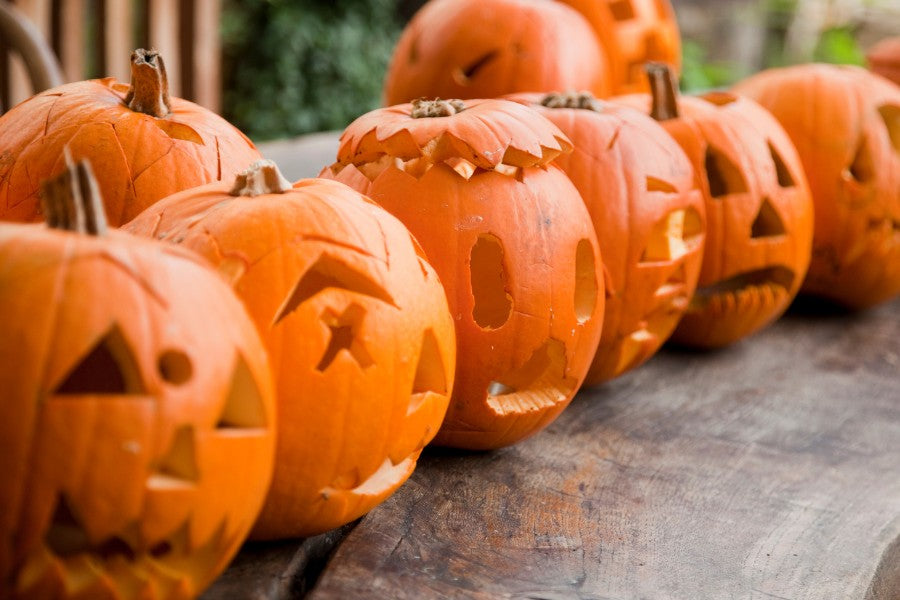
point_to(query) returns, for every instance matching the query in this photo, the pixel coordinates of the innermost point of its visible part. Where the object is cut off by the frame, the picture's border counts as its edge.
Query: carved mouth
(769, 285)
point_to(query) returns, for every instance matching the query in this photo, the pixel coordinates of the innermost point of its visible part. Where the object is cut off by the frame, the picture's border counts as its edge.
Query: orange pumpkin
(356, 323)
(487, 48)
(137, 422)
(633, 33)
(758, 210)
(884, 58)
(845, 123)
(639, 189)
(510, 238)
(143, 145)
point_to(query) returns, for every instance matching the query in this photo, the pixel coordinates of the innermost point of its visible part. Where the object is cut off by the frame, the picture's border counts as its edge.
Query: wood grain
(767, 470)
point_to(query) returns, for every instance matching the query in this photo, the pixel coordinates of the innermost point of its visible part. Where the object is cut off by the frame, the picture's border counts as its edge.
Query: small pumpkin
(639, 189)
(356, 324)
(136, 393)
(884, 58)
(143, 144)
(845, 123)
(633, 33)
(487, 48)
(510, 238)
(759, 212)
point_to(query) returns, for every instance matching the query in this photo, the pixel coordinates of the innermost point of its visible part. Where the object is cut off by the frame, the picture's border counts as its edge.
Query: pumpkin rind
(845, 123)
(487, 48)
(649, 216)
(359, 332)
(513, 244)
(136, 393)
(137, 158)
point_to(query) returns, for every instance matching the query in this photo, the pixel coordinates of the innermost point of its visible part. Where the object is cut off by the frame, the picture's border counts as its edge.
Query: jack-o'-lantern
(639, 189)
(512, 242)
(137, 420)
(356, 324)
(142, 144)
(487, 48)
(758, 209)
(633, 33)
(845, 123)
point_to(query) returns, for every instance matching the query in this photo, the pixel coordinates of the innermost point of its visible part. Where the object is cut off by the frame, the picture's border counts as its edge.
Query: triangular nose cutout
(767, 223)
(180, 461)
(244, 407)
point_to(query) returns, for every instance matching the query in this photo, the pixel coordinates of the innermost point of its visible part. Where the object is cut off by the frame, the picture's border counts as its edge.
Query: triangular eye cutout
(785, 179)
(244, 407)
(890, 114)
(329, 272)
(722, 174)
(862, 168)
(108, 368)
(431, 375)
(767, 222)
(180, 462)
(621, 10)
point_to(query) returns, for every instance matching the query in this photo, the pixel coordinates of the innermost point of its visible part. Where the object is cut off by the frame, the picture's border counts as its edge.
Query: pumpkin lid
(487, 133)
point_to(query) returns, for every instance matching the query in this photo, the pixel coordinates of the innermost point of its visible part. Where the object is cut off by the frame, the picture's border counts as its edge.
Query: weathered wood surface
(770, 469)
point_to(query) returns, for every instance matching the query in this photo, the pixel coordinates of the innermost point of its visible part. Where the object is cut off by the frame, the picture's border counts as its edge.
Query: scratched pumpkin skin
(139, 153)
(358, 330)
(122, 437)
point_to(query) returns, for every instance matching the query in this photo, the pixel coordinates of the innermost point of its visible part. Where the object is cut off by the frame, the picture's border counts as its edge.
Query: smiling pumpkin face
(124, 435)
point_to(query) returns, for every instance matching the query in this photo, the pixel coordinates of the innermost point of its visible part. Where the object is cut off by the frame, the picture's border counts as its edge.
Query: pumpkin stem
(149, 91)
(262, 177)
(663, 91)
(584, 100)
(422, 108)
(71, 201)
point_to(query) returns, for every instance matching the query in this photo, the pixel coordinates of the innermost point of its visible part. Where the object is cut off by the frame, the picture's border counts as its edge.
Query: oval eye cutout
(175, 367)
(489, 280)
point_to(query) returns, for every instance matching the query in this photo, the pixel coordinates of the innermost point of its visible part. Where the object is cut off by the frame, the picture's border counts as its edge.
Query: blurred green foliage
(295, 66)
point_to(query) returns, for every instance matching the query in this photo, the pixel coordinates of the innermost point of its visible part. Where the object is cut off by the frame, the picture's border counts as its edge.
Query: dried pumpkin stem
(423, 109)
(663, 91)
(72, 201)
(585, 100)
(149, 91)
(262, 177)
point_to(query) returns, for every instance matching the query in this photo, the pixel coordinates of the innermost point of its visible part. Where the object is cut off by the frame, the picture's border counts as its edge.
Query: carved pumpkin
(487, 48)
(356, 324)
(845, 123)
(639, 189)
(137, 422)
(142, 144)
(884, 58)
(511, 240)
(633, 33)
(758, 210)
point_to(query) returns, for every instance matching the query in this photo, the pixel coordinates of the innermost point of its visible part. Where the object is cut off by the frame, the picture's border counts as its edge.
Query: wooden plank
(164, 37)
(770, 469)
(118, 39)
(38, 12)
(206, 55)
(71, 44)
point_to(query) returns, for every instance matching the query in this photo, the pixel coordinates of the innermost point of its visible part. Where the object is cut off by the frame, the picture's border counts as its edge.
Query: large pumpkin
(137, 414)
(143, 145)
(510, 238)
(639, 189)
(884, 58)
(845, 123)
(356, 323)
(487, 48)
(633, 33)
(758, 210)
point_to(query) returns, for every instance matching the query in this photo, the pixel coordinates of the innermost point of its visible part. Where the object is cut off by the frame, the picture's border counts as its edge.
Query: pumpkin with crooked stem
(143, 144)
(845, 123)
(639, 189)
(758, 208)
(136, 392)
(356, 324)
(512, 241)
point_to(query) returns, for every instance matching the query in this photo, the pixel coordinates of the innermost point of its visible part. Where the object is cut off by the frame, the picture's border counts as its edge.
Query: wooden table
(770, 469)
